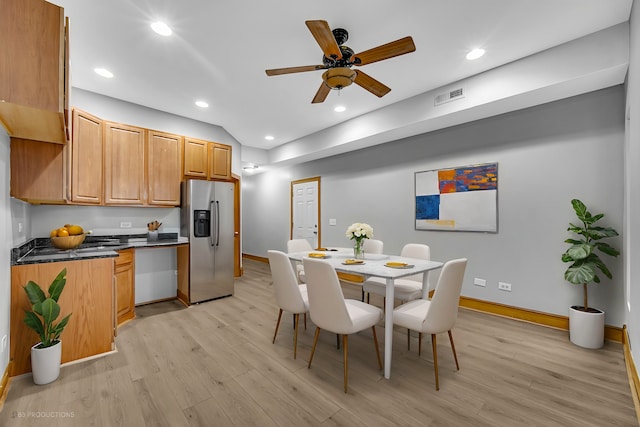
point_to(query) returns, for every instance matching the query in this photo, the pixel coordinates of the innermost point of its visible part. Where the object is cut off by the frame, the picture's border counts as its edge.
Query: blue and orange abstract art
(458, 199)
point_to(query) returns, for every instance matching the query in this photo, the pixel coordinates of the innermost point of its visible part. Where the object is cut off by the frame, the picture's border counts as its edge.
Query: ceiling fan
(338, 60)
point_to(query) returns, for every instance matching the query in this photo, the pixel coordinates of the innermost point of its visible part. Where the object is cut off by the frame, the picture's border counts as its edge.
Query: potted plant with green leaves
(46, 355)
(586, 324)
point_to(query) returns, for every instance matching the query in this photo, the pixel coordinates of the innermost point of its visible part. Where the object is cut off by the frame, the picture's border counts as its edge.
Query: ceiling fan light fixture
(339, 77)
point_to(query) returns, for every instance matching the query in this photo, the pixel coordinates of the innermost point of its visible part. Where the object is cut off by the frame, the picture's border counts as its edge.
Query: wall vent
(449, 96)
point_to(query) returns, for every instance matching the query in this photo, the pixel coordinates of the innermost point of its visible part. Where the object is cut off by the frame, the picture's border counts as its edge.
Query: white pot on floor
(45, 363)
(586, 328)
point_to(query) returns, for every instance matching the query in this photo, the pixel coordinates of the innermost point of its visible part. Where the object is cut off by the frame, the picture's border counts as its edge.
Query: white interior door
(305, 213)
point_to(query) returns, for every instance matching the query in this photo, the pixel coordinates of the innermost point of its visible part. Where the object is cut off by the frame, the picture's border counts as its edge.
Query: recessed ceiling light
(340, 109)
(103, 72)
(475, 54)
(161, 28)
(202, 104)
(269, 138)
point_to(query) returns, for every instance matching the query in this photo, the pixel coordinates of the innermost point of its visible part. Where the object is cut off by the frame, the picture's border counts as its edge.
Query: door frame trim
(302, 181)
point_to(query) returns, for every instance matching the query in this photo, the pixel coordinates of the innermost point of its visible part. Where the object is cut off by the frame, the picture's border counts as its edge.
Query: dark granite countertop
(40, 250)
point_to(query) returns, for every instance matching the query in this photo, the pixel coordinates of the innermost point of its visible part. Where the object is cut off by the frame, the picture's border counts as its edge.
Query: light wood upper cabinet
(125, 164)
(164, 154)
(86, 159)
(196, 159)
(33, 69)
(204, 159)
(38, 171)
(219, 161)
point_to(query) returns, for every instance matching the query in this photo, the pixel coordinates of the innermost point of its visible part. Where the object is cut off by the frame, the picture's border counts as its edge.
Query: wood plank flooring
(213, 364)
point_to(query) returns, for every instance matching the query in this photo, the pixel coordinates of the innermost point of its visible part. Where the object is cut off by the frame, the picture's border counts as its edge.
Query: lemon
(63, 232)
(74, 230)
(54, 233)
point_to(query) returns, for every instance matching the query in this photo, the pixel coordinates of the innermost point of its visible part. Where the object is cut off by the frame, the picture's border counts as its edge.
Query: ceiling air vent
(452, 95)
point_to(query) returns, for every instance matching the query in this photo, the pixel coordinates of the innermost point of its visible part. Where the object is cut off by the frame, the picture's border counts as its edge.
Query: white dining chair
(290, 296)
(373, 246)
(438, 314)
(406, 288)
(330, 311)
(299, 245)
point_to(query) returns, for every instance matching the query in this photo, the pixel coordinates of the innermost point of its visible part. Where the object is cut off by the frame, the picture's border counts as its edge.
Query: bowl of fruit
(67, 237)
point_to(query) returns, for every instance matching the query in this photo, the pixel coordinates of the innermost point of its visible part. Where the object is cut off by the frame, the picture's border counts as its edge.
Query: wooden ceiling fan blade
(289, 70)
(321, 94)
(385, 51)
(323, 35)
(372, 85)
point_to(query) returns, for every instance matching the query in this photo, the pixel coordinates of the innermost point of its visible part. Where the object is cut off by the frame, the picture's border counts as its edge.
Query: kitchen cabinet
(124, 163)
(38, 171)
(86, 159)
(182, 254)
(219, 161)
(207, 160)
(196, 158)
(125, 286)
(88, 296)
(164, 154)
(34, 62)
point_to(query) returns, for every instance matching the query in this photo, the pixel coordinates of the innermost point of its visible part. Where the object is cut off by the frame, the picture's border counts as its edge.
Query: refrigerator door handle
(212, 226)
(217, 223)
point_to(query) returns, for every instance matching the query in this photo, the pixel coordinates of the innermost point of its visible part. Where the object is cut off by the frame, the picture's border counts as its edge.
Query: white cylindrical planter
(45, 363)
(586, 329)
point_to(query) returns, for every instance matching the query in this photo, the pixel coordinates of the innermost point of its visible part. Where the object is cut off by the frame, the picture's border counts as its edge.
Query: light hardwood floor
(213, 364)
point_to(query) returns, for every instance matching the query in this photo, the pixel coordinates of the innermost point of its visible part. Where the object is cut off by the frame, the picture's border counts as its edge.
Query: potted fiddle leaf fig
(46, 355)
(586, 324)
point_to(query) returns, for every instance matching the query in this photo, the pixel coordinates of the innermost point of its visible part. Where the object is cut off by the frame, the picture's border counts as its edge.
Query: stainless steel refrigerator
(207, 220)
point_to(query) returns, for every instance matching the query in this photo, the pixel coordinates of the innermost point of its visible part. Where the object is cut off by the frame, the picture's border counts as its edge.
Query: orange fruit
(63, 232)
(54, 233)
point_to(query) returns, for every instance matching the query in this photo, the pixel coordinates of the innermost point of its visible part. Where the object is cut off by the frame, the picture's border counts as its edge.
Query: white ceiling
(220, 49)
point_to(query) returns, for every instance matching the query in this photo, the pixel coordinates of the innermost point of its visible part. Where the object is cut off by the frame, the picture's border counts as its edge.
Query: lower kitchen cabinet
(125, 286)
(88, 296)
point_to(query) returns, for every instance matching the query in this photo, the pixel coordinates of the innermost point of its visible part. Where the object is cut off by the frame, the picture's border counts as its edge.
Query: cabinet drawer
(126, 257)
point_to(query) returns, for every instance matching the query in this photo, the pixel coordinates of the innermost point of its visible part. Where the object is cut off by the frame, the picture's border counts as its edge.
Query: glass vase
(358, 249)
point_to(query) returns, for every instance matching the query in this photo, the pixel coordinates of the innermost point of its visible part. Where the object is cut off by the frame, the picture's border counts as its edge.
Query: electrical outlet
(504, 286)
(125, 225)
(332, 221)
(479, 282)
(19, 227)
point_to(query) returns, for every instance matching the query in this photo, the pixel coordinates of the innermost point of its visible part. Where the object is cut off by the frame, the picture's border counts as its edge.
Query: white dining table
(374, 266)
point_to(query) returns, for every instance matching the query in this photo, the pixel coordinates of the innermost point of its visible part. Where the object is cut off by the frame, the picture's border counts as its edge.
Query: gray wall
(632, 183)
(546, 156)
(5, 248)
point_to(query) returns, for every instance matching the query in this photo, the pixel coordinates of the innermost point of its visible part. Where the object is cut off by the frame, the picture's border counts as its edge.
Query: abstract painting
(458, 199)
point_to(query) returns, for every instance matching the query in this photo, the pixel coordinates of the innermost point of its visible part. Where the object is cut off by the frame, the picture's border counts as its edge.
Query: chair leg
(296, 318)
(338, 341)
(419, 344)
(277, 326)
(453, 347)
(362, 298)
(408, 339)
(375, 342)
(345, 355)
(368, 296)
(435, 359)
(305, 321)
(313, 348)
